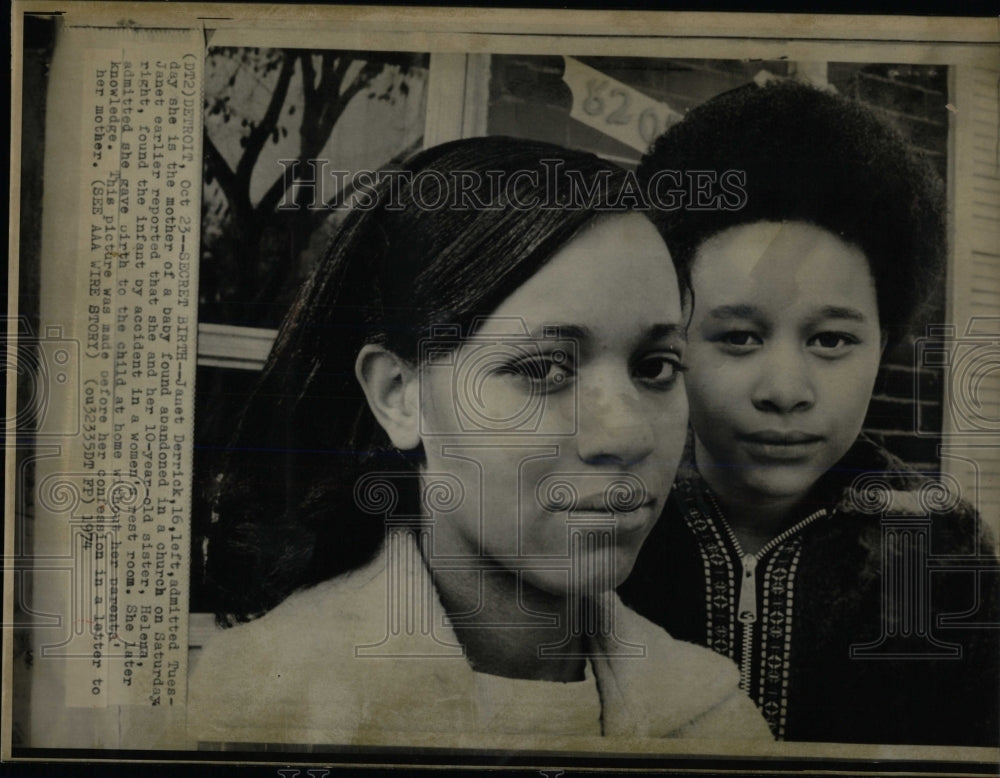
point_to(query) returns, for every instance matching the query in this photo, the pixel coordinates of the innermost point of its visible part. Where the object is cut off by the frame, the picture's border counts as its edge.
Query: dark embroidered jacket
(873, 618)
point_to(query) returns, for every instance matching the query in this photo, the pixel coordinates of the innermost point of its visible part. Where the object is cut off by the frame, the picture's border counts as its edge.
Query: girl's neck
(756, 523)
(503, 629)
(754, 518)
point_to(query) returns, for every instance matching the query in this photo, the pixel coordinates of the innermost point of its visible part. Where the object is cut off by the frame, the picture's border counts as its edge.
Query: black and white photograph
(503, 388)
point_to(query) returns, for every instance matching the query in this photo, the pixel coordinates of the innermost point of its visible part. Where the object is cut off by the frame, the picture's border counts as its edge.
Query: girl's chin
(590, 576)
(780, 487)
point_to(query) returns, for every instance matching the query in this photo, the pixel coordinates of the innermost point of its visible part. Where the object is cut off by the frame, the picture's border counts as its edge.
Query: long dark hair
(284, 513)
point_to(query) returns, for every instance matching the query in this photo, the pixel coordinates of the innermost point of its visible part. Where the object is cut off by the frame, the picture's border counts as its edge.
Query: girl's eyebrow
(743, 311)
(667, 331)
(561, 331)
(580, 332)
(738, 311)
(841, 312)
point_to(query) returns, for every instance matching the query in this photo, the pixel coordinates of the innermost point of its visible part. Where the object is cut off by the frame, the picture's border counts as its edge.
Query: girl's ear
(390, 386)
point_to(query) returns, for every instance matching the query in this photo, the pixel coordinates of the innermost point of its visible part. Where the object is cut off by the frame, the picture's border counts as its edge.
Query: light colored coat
(295, 675)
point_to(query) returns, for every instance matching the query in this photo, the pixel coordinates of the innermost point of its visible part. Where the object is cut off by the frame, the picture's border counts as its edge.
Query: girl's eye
(549, 371)
(739, 341)
(659, 371)
(832, 344)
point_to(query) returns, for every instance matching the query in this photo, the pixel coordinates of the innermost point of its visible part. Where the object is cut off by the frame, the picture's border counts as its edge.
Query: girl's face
(784, 349)
(564, 412)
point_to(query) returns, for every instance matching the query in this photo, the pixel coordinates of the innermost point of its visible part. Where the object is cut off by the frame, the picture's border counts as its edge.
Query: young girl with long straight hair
(468, 425)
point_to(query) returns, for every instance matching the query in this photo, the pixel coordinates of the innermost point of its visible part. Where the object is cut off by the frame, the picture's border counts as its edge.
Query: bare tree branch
(259, 134)
(317, 215)
(308, 76)
(276, 191)
(221, 171)
(324, 104)
(333, 109)
(335, 68)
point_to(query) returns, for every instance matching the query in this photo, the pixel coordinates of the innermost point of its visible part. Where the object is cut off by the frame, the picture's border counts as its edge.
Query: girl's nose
(785, 382)
(612, 427)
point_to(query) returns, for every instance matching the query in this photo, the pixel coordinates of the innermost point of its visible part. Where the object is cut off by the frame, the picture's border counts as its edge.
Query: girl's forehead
(781, 264)
(615, 274)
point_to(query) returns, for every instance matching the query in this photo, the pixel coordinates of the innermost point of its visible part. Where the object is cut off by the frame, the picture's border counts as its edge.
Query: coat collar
(650, 684)
(370, 657)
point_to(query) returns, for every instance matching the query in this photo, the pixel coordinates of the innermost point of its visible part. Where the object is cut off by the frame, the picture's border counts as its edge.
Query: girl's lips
(578, 493)
(626, 518)
(638, 520)
(779, 437)
(625, 522)
(780, 446)
(601, 505)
